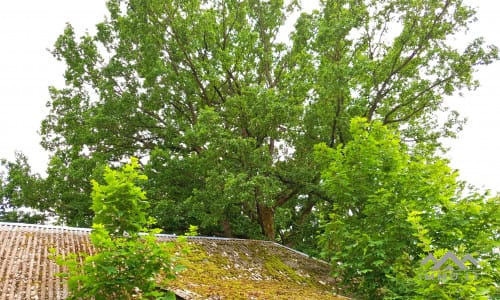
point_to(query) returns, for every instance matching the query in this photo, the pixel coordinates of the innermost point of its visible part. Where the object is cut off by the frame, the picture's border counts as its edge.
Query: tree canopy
(19, 191)
(224, 115)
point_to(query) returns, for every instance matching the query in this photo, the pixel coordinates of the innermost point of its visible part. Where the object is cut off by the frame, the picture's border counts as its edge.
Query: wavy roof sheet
(216, 268)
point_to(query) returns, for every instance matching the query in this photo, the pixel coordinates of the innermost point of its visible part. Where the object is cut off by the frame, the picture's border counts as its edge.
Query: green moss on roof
(216, 269)
(251, 270)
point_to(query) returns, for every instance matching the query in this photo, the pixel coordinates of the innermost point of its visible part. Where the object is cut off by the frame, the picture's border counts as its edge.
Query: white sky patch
(27, 29)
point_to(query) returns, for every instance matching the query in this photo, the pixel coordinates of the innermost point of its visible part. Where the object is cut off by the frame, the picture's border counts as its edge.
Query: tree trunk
(266, 220)
(227, 228)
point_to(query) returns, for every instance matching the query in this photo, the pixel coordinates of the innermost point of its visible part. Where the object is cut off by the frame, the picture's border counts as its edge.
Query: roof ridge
(161, 235)
(44, 226)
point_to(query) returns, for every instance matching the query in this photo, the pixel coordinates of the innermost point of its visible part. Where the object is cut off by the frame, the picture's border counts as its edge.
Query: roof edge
(163, 235)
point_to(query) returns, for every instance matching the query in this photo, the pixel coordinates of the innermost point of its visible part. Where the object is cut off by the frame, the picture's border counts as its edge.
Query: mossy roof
(215, 268)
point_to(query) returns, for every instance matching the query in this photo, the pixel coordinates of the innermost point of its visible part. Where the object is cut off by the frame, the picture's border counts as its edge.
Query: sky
(29, 28)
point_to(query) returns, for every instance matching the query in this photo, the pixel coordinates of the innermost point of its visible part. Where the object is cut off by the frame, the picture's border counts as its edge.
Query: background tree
(20, 199)
(224, 116)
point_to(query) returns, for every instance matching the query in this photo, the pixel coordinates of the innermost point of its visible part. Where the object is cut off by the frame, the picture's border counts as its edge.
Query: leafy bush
(129, 262)
(469, 227)
(391, 207)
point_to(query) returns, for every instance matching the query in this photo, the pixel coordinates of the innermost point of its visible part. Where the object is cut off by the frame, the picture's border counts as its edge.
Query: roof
(217, 268)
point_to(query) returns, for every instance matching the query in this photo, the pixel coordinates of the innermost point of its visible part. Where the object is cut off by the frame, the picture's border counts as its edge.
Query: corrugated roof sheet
(216, 268)
(25, 270)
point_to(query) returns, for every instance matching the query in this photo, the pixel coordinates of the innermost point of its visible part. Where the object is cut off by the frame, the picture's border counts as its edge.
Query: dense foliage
(19, 191)
(224, 116)
(334, 131)
(126, 264)
(391, 209)
(469, 226)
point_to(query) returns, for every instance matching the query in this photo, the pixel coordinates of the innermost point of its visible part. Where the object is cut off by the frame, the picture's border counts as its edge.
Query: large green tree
(224, 115)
